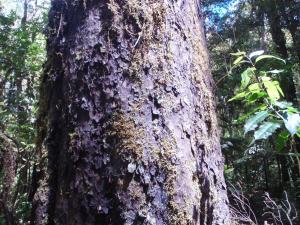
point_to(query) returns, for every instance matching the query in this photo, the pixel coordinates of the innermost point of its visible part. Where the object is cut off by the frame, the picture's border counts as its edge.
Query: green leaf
(275, 71)
(283, 104)
(228, 170)
(245, 116)
(238, 53)
(246, 77)
(272, 88)
(252, 122)
(254, 88)
(281, 140)
(238, 60)
(292, 123)
(277, 85)
(255, 96)
(262, 57)
(239, 96)
(256, 53)
(265, 130)
(292, 110)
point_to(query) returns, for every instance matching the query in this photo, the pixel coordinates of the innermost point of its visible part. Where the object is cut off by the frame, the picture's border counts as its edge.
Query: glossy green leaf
(239, 96)
(265, 130)
(247, 76)
(245, 116)
(256, 53)
(253, 122)
(238, 53)
(277, 85)
(238, 60)
(255, 96)
(254, 88)
(283, 104)
(272, 89)
(262, 57)
(292, 110)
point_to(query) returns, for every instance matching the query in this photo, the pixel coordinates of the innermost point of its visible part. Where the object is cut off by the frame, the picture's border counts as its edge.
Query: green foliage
(268, 164)
(22, 54)
(265, 130)
(253, 121)
(281, 140)
(259, 86)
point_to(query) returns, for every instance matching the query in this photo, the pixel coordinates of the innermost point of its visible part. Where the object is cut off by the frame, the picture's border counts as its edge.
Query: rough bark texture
(8, 153)
(127, 117)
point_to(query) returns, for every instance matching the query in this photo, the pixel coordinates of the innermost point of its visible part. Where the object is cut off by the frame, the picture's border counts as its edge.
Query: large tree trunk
(127, 117)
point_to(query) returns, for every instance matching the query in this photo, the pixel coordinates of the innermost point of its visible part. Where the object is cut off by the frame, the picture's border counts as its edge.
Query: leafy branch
(260, 89)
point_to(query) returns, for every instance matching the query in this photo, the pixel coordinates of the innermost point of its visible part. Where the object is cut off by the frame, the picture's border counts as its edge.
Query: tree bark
(289, 11)
(127, 127)
(8, 154)
(277, 34)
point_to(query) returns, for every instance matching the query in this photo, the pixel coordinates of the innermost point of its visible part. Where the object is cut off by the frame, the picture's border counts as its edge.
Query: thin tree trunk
(127, 119)
(266, 172)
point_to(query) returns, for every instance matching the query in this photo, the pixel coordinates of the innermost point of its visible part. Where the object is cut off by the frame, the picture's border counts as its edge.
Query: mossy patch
(121, 135)
(177, 214)
(142, 23)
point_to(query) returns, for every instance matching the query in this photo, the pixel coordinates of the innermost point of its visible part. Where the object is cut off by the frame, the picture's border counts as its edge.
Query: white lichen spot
(131, 167)
(150, 219)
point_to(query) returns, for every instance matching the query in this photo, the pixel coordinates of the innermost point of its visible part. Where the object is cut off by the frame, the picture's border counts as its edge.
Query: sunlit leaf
(256, 53)
(238, 53)
(275, 71)
(239, 96)
(272, 89)
(292, 110)
(277, 85)
(238, 60)
(254, 87)
(247, 76)
(262, 57)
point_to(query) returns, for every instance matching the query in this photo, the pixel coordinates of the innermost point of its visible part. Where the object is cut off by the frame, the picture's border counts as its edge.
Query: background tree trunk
(276, 31)
(127, 127)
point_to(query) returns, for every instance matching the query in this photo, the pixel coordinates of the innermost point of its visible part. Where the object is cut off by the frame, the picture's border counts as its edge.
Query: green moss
(125, 132)
(176, 214)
